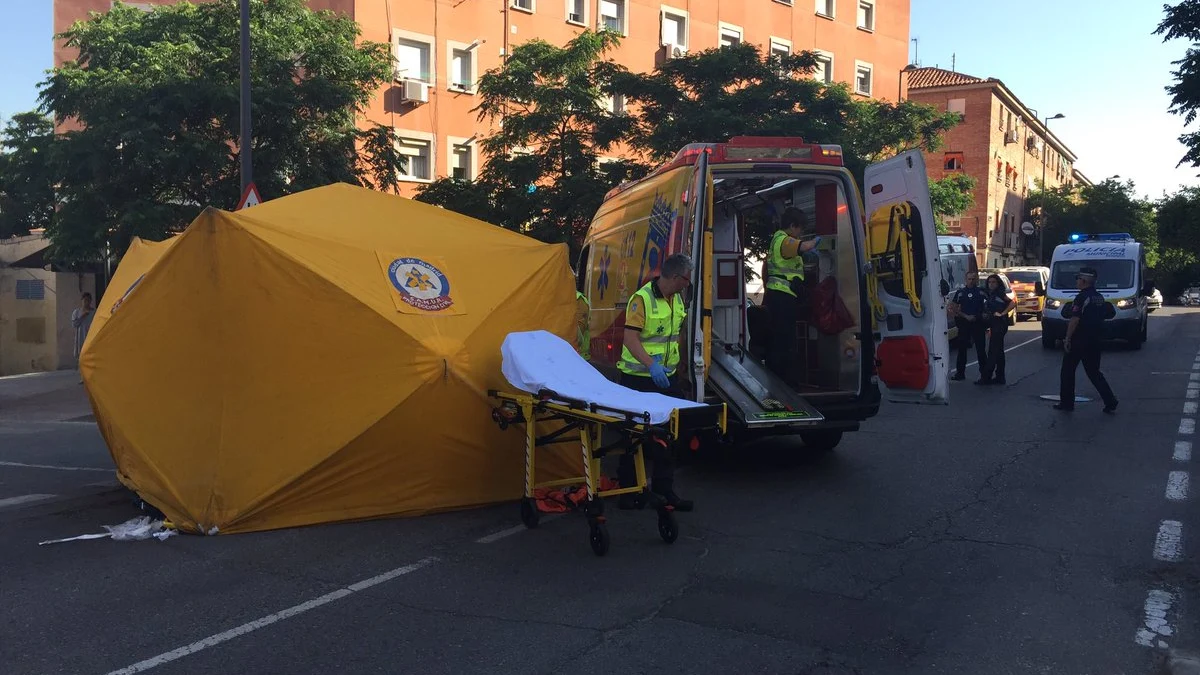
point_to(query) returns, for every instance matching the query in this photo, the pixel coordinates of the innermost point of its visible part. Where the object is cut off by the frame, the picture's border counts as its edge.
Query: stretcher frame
(590, 420)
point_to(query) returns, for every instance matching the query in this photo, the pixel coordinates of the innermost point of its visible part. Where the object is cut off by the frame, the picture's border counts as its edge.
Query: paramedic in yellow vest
(650, 361)
(583, 325)
(785, 276)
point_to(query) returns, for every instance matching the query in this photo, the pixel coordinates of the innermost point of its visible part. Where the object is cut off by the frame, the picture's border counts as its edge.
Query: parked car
(1155, 301)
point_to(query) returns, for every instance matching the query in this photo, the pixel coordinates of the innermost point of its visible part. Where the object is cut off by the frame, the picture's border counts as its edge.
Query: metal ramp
(756, 397)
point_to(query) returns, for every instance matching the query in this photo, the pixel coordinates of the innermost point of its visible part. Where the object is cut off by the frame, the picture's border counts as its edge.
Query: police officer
(997, 307)
(969, 308)
(784, 283)
(650, 362)
(1082, 345)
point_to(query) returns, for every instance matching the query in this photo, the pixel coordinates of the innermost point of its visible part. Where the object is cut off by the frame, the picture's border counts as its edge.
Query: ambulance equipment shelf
(590, 420)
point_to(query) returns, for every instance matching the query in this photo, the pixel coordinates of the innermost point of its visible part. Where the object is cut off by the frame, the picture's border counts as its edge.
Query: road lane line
(1189, 407)
(269, 619)
(1183, 451)
(1155, 623)
(1168, 545)
(516, 529)
(1177, 486)
(24, 499)
(1014, 347)
(23, 465)
(1187, 426)
(1193, 393)
(1194, 377)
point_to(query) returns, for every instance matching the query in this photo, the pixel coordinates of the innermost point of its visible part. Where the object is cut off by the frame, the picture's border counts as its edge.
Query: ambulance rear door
(904, 282)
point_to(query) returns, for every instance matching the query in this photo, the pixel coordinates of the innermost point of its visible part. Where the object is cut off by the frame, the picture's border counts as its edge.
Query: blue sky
(1102, 68)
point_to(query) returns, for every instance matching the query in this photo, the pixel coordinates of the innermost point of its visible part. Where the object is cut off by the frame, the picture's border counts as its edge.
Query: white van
(1120, 264)
(958, 259)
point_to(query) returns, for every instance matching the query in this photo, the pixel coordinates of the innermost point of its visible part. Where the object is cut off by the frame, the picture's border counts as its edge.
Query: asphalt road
(994, 535)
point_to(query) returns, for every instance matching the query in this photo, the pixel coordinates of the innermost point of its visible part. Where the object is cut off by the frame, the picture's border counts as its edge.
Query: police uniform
(583, 325)
(659, 323)
(997, 301)
(972, 301)
(1091, 309)
(785, 276)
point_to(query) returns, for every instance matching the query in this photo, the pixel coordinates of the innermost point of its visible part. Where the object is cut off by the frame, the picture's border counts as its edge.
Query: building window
(826, 8)
(614, 104)
(730, 35)
(957, 105)
(462, 164)
(31, 289)
(462, 67)
(953, 161)
(414, 59)
(577, 12)
(780, 48)
(674, 28)
(523, 5)
(862, 78)
(866, 14)
(824, 69)
(418, 155)
(612, 15)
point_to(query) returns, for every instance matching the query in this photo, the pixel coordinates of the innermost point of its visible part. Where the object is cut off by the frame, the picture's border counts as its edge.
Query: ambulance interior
(827, 355)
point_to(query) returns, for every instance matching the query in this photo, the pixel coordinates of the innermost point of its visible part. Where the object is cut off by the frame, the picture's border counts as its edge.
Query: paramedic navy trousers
(662, 458)
(781, 352)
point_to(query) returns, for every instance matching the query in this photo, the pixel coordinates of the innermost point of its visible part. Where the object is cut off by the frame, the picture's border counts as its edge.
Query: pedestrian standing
(81, 319)
(969, 306)
(1082, 345)
(997, 307)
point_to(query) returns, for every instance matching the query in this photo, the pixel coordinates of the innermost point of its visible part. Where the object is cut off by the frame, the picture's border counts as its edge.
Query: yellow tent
(325, 356)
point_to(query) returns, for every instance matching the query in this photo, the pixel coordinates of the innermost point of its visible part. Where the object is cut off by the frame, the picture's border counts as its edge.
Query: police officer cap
(1087, 272)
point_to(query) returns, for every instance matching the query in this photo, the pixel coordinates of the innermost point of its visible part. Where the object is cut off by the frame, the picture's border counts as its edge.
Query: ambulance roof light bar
(1078, 237)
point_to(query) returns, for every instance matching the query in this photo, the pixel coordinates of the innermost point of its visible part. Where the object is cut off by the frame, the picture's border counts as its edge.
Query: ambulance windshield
(1112, 274)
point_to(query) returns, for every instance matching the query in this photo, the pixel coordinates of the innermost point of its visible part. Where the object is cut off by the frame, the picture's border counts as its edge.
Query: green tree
(154, 101)
(1182, 21)
(950, 197)
(27, 175)
(1108, 206)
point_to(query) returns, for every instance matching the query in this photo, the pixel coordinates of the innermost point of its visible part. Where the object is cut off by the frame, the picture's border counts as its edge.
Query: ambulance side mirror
(1039, 288)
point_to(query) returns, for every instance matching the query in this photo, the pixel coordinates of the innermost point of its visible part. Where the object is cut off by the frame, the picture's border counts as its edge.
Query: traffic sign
(1027, 228)
(249, 198)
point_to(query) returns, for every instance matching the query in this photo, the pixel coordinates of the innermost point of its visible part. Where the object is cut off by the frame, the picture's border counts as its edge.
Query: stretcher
(583, 420)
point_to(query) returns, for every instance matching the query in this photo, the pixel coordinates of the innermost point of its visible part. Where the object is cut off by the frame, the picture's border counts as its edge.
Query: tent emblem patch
(420, 284)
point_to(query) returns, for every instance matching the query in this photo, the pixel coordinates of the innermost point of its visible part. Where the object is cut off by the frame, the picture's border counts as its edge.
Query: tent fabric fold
(325, 356)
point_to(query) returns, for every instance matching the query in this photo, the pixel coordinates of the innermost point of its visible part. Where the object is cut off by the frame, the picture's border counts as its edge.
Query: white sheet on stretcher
(538, 360)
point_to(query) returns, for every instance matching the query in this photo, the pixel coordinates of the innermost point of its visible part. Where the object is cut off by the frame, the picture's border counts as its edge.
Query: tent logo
(420, 284)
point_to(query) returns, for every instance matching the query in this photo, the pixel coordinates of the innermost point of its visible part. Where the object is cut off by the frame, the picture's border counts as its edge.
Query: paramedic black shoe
(673, 500)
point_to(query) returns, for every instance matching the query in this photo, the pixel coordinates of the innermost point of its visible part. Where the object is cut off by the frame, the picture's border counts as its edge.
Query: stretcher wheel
(598, 538)
(529, 513)
(668, 527)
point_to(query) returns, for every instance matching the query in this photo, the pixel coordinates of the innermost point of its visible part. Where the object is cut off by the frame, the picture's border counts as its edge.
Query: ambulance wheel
(529, 513)
(668, 527)
(598, 538)
(821, 441)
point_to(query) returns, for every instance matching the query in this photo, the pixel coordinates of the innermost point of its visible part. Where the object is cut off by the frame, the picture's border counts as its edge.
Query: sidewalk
(44, 397)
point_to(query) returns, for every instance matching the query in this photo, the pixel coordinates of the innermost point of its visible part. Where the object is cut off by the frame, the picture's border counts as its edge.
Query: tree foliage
(950, 197)
(1182, 22)
(1108, 206)
(153, 106)
(1178, 220)
(26, 174)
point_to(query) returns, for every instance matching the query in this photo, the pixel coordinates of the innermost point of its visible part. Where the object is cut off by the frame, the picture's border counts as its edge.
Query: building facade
(1006, 147)
(443, 46)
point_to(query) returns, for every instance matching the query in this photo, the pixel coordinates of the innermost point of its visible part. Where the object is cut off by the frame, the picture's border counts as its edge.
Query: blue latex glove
(658, 373)
(816, 241)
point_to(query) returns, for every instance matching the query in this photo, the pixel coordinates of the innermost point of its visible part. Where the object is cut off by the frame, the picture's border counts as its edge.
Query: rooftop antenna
(953, 62)
(917, 49)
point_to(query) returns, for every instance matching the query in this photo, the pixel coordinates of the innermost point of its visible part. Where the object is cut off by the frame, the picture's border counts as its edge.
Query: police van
(1120, 264)
(875, 313)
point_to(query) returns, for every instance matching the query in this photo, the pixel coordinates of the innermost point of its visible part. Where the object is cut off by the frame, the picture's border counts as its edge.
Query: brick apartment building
(1006, 147)
(443, 46)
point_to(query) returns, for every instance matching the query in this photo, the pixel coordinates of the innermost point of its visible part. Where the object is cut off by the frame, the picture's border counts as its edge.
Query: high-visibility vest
(660, 335)
(583, 329)
(781, 270)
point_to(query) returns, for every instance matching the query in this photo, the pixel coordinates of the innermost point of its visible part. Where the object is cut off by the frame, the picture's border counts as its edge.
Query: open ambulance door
(698, 329)
(904, 282)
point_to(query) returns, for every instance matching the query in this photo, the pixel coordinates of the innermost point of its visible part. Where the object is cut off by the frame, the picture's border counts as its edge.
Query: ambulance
(1120, 264)
(875, 315)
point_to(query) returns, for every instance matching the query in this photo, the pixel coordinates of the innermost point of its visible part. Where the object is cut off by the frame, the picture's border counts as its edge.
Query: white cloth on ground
(537, 360)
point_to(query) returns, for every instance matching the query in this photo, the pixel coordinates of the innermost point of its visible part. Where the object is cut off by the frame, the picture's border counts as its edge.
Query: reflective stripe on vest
(781, 270)
(660, 335)
(583, 328)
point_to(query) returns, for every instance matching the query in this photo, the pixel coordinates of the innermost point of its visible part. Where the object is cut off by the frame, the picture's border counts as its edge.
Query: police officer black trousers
(993, 371)
(970, 333)
(1089, 356)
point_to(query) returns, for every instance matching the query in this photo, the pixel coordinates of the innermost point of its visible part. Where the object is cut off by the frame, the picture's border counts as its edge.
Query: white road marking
(22, 465)
(1193, 393)
(24, 499)
(1187, 426)
(1194, 377)
(1183, 451)
(1196, 365)
(1155, 622)
(1177, 486)
(269, 619)
(1168, 545)
(1193, 385)
(1011, 348)
(1189, 407)
(517, 529)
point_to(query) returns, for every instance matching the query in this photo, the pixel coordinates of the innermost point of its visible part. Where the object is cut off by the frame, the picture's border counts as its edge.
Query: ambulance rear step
(756, 396)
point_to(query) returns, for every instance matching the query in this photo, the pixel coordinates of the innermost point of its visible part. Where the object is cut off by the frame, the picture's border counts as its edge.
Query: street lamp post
(1042, 234)
(900, 81)
(244, 141)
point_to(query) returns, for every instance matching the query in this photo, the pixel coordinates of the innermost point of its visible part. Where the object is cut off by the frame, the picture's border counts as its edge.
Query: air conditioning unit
(1010, 136)
(575, 18)
(414, 91)
(675, 51)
